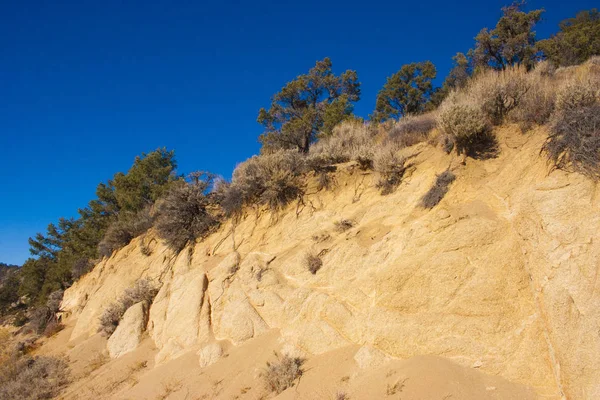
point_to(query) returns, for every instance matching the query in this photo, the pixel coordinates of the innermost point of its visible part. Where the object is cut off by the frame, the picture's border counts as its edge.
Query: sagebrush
(282, 374)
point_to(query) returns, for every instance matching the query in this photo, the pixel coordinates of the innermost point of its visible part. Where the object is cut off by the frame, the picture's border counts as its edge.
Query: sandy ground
(237, 375)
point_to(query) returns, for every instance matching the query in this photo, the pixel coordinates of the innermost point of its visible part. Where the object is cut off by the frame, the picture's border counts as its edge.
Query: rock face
(128, 334)
(502, 274)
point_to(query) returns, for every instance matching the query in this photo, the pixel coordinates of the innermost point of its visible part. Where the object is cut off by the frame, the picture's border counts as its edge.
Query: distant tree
(307, 106)
(405, 92)
(9, 286)
(511, 42)
(578, 40)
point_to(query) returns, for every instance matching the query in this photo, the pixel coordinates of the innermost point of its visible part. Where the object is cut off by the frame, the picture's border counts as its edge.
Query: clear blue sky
(87, 85)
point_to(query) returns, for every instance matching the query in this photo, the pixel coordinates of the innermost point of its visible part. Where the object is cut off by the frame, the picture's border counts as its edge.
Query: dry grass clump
(537, 104)
(574, 140)
(391, 168)
(42, 319)
(412, 129)
(350, 140)
(123, 230)
(343, 225)
(282, 374)
(438, 190)
(187, 212)
(32, 378)
(142, 291)
(313, 262)
(272, 179)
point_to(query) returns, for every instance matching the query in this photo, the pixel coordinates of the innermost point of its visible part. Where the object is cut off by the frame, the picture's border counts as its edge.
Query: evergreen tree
(511, 42)
(406, 92)
(578, 40)
(310, 104)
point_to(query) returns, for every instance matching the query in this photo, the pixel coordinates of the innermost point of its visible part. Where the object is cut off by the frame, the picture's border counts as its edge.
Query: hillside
(490, 294)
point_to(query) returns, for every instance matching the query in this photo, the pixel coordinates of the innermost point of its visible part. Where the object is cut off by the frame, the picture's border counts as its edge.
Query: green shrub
(438, 190)
(142, 291)
(187, 212)
(282, 374)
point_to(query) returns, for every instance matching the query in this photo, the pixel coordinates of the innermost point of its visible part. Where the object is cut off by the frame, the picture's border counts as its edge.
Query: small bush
(229, 197)
(574, 140)
(42, 317)
(391, 167)
(412, 129)
(468, 127)
(187, 213)
(497, 93)
(142, 291)
(350, 140)
(343, 225)
(27, 378)
(438, 190)
(313, 262)
(272, 179)
(282, 374)
(575, 95)
(123, 230)
(536, 106)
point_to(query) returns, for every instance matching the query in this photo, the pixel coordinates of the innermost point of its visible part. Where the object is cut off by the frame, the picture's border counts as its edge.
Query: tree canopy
(59, 254)
(311, 104)
(577, 40)
(511, 42)
(405, 92)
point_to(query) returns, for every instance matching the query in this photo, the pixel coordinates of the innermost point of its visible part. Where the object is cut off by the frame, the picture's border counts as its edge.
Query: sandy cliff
(499, 282)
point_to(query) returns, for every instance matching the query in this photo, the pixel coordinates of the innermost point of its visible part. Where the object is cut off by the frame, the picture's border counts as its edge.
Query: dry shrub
(536, 106)
(438, 190)
(142, 291)
(187, 213)
(343, 225)
(499, 92)
(391, 168)
(123, 230)
(350, 140)
(32, 378)
(282, 374)
(229, 197)
(574, 141)
(272, 179)
(412, 129)
(342, 396)
(43, 318)
(80, 268)
(468, 127)
(313, 262)
(575, 95)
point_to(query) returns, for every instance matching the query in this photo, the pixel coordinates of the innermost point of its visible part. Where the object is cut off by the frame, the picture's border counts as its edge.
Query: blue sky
(85, 86)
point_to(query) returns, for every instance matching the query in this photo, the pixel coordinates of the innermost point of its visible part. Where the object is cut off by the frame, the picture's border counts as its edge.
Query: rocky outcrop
(128, 334)
(501, 275)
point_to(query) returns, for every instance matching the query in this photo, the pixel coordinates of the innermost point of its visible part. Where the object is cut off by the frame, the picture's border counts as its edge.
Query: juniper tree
(511, 42)
(578, 40)
(405, 92)
(310, 105)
